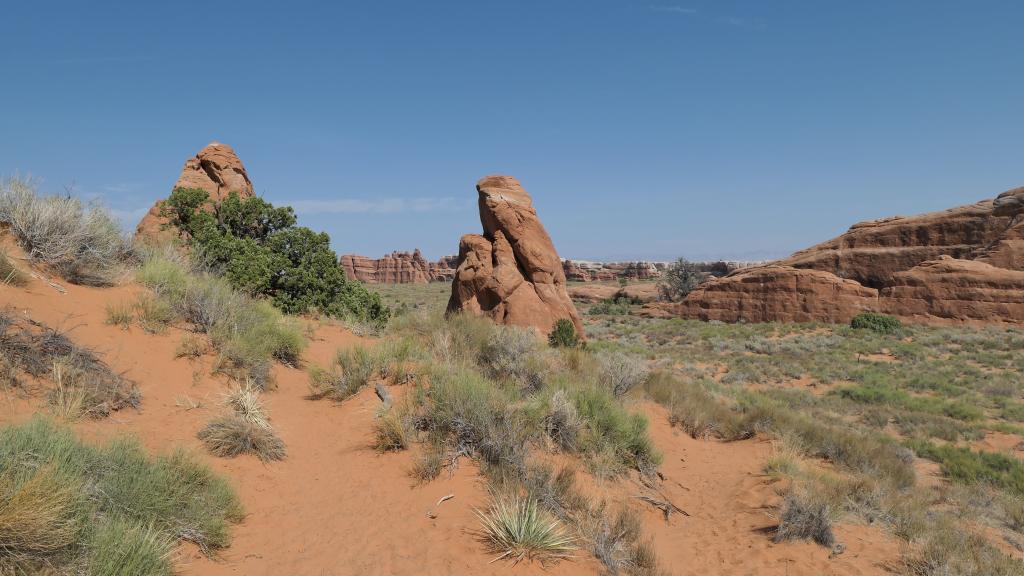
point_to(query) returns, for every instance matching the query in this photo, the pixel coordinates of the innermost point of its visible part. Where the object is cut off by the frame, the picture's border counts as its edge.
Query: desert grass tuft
(245, 430)
(65, 504)
(38, 515)
(232, 435)
(562, 422)
(616, 542)
(948, 550)
(517, 529)
(191, 346)
(428, 464)
(67, 399)
(352, 369)
(155, 315)
(391, 432)
(119, 547)
(120, 315)
(10, 274)
(805, 518)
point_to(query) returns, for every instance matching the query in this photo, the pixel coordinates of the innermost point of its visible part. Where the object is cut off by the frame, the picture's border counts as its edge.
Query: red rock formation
(872, 252)
(956, 290)
(444, 268)
(579, 271)
(962, 264)
(645, 292)
(512, 273)
(574, 272)
(215, 169)
(778, 294)
(397, 268)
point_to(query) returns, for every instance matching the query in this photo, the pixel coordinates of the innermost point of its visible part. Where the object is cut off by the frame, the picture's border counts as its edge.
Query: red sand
(336, 507)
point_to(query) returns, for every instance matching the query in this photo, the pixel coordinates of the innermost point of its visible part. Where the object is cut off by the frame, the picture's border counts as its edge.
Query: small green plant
(352, 369)
(517, 529)
(155, 314)
(879, 323)
(972, 466)
(564, 334)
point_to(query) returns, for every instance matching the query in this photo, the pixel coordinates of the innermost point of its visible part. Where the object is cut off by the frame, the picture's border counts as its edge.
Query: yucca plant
(518, 529)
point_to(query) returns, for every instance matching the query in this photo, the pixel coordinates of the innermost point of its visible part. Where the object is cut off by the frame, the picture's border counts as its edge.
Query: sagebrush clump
(83, 244)
(248, 334)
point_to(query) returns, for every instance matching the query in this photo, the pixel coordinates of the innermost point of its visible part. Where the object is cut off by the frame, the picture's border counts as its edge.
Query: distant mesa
(964, 264)
(581, 271)
(215, 169)
(511, 273)
(398, 268)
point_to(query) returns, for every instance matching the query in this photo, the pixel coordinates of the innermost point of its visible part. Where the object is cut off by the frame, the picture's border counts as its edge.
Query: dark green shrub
(680, 279)
(564, 335)
(260, 250)
(613, 306)
(879, 323)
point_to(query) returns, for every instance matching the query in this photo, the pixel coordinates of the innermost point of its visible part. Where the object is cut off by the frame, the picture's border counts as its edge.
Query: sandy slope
(336, 507)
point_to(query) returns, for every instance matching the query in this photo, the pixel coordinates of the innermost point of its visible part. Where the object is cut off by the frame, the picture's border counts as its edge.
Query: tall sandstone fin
(512, 273)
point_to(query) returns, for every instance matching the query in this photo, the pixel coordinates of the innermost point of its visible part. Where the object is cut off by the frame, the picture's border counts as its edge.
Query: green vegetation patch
(261, 251)
(103, 510)
(876, 323)
(974, 466)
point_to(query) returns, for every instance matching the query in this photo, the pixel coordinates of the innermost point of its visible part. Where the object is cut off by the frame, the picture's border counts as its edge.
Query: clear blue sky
(643, 129)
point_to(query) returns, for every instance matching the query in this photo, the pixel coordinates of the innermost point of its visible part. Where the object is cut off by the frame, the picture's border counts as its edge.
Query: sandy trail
(336, 507)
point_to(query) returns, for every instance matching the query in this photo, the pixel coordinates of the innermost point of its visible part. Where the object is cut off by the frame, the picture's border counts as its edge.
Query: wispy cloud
(124, 59)
(743, 23)
(673, 9)
(379, 205)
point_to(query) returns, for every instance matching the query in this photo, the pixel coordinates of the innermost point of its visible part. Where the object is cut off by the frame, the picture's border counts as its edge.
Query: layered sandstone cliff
(582, 271)
(961, 264)
(398, 268)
